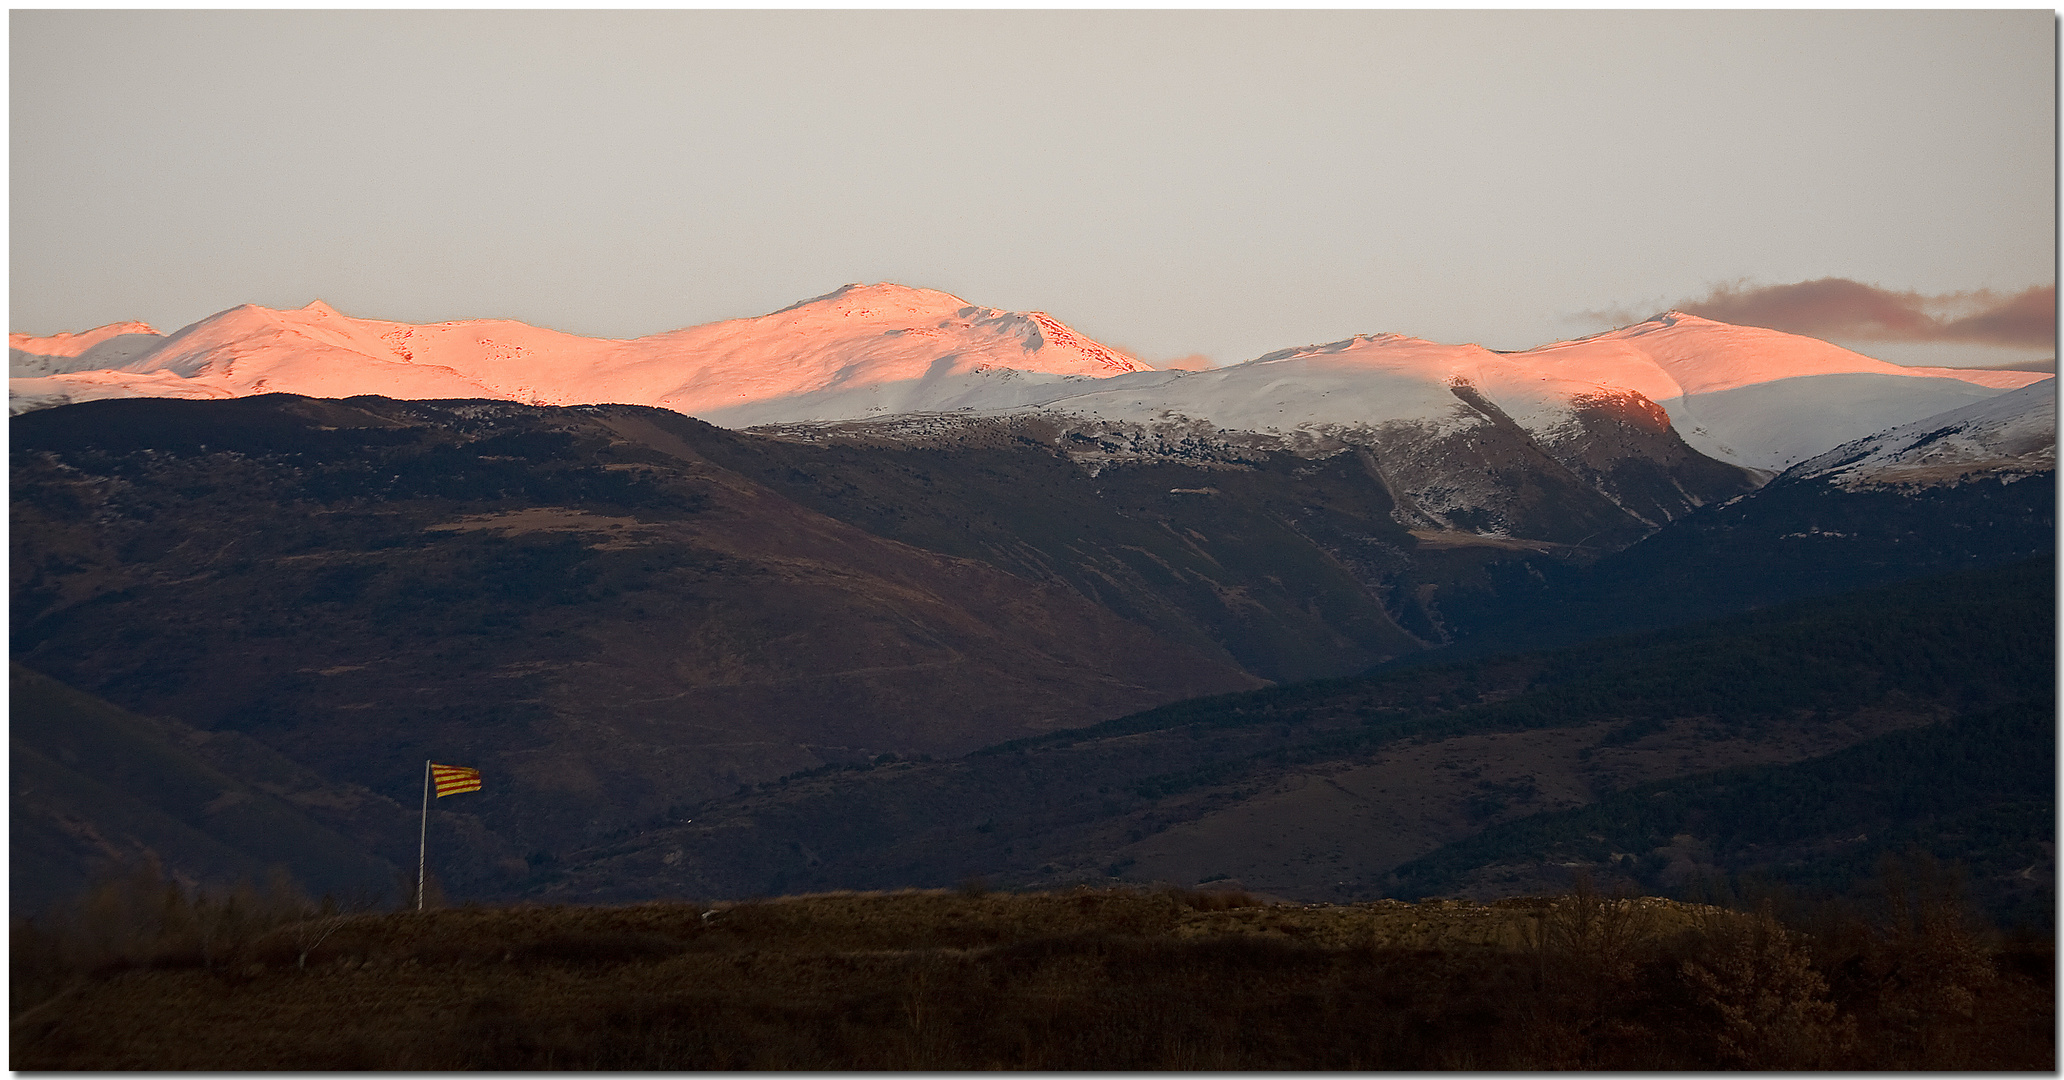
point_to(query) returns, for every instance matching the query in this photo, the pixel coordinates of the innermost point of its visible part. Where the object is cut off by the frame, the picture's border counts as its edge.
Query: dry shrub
(1771, 1005)
(138, 917)
(1922, 984)
(1925, 968)
(1212, 899)
(1601, 938)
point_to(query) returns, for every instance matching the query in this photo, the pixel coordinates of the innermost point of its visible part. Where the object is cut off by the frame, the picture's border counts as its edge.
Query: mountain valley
(957, 593)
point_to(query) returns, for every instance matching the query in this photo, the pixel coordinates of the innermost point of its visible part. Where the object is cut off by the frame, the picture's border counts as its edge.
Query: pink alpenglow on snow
(861, 335)
(70, 344)
(1675, 354)
(32, 361)
(1755, 397)
(1765, 398)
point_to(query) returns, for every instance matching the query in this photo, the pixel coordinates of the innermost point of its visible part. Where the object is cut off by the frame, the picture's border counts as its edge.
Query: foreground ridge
(1104, 979)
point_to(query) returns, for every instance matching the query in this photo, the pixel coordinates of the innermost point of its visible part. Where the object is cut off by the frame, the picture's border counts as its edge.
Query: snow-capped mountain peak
(881, 335)
(885, 297)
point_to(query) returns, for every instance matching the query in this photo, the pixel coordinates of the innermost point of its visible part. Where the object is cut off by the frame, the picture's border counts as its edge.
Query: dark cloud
(1840, 308)
(2027, 319)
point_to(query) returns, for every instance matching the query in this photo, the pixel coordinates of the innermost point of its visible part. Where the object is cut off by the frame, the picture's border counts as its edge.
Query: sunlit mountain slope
(1751, 397)
(859, 335)
(1748, 396)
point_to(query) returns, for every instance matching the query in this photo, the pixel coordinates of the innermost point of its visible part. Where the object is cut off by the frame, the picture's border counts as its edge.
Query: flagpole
(423, 843)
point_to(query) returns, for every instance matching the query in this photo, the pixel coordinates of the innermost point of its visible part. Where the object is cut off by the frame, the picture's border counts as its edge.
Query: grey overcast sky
(1221, 183)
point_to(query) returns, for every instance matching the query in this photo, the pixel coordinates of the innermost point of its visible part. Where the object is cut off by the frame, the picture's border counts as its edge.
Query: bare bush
(137, 916)
(1599, 938)
(1212, 899)
(1930, 962)
(1771, 1005)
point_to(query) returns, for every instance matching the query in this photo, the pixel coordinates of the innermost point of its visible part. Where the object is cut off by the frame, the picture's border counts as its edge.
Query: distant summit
(888, 295)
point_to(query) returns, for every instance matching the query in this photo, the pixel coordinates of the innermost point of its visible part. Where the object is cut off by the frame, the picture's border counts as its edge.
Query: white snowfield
(1752, 397)
(1364, 382)
(2005, 438)
(108, 346)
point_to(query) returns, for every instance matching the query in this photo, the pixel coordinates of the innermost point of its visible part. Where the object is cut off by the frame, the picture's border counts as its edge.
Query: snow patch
(2004, 438)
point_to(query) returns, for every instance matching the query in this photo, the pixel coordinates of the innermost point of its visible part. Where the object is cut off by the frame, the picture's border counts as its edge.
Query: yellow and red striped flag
(454, 779)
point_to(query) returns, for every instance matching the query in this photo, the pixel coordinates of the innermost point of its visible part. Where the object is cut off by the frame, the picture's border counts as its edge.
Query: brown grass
(969, 979)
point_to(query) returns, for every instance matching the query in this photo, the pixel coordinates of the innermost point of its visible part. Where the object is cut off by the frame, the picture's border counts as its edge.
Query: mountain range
(635, 581)
(880, 337)
(1753, 397)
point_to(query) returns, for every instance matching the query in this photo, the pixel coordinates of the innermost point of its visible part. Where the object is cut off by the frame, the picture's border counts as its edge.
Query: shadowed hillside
(91, 786)
(1323, 790)
(571, 599)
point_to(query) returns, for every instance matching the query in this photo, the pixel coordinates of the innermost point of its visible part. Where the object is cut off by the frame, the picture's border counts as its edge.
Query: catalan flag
(454, 779)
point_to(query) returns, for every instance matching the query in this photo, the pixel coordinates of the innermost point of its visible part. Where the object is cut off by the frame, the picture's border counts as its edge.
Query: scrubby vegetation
(145, 974)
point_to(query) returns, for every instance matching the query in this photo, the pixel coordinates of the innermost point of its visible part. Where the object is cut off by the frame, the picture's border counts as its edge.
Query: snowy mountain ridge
(857, 336)
(2006, 438)
(1757, 398)
(70, 344)
(1752, 397)
(101, 347)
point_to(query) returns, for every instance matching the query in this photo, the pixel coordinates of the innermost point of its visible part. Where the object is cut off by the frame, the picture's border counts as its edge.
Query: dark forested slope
(1369, 773)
